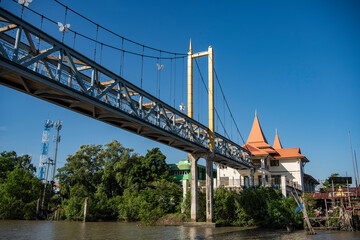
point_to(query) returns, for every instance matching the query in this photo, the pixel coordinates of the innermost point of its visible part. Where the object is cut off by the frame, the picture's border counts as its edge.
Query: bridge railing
(62, 64)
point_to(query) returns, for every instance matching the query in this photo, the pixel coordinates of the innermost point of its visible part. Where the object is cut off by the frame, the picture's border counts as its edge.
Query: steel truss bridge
(62, 76)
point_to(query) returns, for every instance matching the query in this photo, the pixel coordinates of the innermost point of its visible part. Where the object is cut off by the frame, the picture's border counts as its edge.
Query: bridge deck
(116, 102)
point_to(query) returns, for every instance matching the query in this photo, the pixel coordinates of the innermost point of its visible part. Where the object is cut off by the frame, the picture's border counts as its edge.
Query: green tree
(84, 168)
(19, 188)
(9, 161)
(118, 183)
(328, 184)
(225, 203)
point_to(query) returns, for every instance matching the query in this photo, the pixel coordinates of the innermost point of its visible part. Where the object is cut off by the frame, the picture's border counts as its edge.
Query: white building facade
(274, 166)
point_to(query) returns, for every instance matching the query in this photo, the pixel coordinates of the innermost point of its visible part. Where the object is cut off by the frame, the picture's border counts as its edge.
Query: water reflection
(113, 230)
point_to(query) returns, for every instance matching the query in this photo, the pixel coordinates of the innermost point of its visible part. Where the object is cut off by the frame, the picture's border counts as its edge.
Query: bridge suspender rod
(175, 82)
(142, 68)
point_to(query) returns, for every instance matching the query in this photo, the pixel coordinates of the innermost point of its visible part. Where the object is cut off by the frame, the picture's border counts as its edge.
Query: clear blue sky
(296, 62)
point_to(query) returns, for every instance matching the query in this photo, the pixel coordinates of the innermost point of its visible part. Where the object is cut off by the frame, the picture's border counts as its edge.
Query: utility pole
(58, 126)
(352, 157)
(49, 162)
(357, 170)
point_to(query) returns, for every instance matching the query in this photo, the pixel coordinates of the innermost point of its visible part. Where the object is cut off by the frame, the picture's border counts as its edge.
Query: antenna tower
(58, 126)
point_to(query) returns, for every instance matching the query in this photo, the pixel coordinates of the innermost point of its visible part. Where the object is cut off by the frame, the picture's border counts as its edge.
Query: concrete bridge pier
(209, 189)
(263, 179)
(194, 185)
(252, 171)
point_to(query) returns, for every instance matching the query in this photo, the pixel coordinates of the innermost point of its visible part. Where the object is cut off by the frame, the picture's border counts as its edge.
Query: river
(118, 230)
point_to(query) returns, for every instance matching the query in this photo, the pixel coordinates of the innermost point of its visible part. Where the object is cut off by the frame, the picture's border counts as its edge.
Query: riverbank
(21, 229)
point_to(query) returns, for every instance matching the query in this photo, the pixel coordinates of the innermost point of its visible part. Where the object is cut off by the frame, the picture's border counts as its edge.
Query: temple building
(274, 166)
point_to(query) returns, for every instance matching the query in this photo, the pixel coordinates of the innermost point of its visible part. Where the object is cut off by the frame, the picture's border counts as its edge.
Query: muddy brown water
(118, 230)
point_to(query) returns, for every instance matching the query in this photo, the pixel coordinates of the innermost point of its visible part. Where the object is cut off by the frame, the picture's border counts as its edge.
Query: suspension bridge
(44, 65)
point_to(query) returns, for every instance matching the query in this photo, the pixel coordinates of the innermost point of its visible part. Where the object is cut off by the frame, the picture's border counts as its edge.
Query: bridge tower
(209, 157)
(44, 149)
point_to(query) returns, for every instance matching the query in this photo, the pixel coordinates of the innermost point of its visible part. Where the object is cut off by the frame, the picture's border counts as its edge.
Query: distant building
(309, 183)
(275, 166)
(181, 171)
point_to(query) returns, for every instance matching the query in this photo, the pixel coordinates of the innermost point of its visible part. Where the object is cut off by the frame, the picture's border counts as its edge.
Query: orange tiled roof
(277, 143)
(255, 151)
(256, 134)
(258, 145)
(290, 153)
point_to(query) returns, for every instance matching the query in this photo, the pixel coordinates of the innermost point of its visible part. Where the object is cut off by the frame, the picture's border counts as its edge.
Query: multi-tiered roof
(259, 146)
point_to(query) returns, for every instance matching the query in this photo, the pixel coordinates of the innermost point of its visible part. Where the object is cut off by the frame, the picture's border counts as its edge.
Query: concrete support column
(283, 186)
(194, 183)
(242, 182)
(252, 177)
(218, 175)
(209, 189)
(185, 184)
(263, 171)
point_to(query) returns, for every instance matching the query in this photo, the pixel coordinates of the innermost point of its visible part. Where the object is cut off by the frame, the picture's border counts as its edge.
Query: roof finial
(255, 113)
(277, 143)
(190, 48)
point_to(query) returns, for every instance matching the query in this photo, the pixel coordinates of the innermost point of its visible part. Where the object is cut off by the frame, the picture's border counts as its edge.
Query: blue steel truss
(63, 76)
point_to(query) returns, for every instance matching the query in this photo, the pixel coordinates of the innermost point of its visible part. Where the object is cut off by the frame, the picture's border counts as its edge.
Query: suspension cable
(41, 24)
(121, 56)
(227, 104)
(183, 81)
(180, 55)
(216, 112)
(101, 52)
(106, 29)
(159, 70)
(96, 37)
(63, 32)
(74, 40)
(157, 77)
(142, 68)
